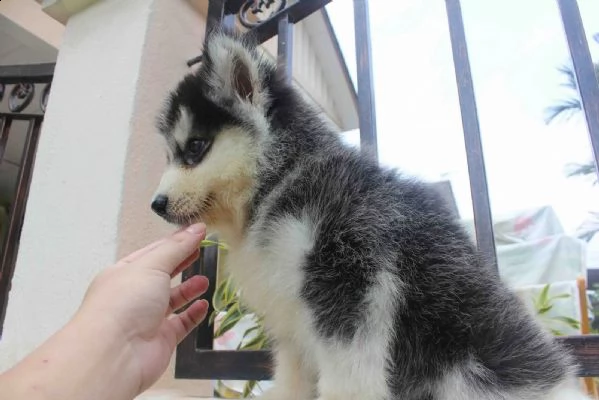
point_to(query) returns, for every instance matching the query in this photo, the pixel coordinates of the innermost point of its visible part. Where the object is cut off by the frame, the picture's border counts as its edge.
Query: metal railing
(24, 91)
(195, 356)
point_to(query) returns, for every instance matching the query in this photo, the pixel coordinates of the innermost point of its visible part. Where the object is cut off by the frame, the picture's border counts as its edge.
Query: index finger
(169, 254)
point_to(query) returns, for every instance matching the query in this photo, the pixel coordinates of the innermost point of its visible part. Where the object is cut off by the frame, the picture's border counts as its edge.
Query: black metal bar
(196, 358)
(226, 364)
(5, 125)
(258, 365)
(233, 6)
(479, 191)
(32, 73)
(366, 106)
(216, 12)
(217, 17)
(269, 28)
(285, 48)
(584, 68)
(585, 349)
(20, 116)
(208, 268)
(17, 212)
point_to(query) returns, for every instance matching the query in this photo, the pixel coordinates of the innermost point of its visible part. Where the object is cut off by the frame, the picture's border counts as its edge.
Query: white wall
(27, 34)
(70, 228)
(99, 160)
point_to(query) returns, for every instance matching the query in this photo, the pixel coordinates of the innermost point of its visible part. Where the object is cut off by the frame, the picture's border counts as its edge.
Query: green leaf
(568, 321)
(248, 331)
(248, 387)
(213, 317)
(543, 296)
(544, 309)
(560, 296)
(231, 318)
(256, 343)
(211, 243)
(230, 292)
(224, 296)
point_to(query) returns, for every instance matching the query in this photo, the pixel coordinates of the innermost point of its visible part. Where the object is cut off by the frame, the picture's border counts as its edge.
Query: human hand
(133, 300)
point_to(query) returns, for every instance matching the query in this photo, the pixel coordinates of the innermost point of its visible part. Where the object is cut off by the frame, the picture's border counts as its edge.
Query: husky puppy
(368, 285)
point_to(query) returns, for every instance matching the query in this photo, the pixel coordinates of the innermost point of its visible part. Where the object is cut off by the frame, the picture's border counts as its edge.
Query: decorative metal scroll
(19, 96)
(255, 12)
(44, 99)
(259, 17)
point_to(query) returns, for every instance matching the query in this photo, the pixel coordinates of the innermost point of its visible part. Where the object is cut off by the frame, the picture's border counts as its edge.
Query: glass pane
(516, 50)
(16, 143)
(9, 172)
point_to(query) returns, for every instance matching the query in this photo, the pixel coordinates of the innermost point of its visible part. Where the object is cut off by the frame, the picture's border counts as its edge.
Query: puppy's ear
(243, 84)
(233, 68)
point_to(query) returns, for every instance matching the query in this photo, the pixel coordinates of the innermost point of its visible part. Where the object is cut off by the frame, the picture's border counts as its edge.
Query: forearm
(78, 362)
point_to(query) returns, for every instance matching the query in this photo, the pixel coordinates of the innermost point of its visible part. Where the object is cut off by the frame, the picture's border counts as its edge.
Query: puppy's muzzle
(159, 205)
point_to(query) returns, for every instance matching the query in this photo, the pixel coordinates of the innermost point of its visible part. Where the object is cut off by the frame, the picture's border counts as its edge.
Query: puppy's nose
(159, 204)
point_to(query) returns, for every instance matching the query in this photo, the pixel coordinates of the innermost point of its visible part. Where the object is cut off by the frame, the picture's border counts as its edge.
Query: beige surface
(174, 34)
(28, 15)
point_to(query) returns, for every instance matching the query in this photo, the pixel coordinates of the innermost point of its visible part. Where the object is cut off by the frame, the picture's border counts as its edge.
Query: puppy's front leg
(294, 379)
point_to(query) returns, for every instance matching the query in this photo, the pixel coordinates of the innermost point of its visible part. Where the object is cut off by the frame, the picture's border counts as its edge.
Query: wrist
(106, 346)
(84, 360)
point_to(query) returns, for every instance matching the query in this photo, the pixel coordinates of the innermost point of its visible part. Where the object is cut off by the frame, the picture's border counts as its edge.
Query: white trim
(62, 10)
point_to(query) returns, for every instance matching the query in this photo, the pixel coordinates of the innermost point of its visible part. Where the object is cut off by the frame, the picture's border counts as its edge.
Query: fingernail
(196, 229)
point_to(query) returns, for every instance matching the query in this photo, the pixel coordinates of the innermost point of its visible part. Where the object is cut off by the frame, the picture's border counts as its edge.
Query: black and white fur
(370, 288)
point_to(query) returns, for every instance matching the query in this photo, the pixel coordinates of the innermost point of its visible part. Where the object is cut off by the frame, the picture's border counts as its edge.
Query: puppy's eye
(195, 150)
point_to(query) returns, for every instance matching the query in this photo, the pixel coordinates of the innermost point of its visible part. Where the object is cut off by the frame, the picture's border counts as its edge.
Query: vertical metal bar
(216, 13)
(186, 350)
(208, 268)
(202, 337)
(5, 125)
(17, 212)
(483, 221)
(366, 105)
(285, 48)
(584, 68)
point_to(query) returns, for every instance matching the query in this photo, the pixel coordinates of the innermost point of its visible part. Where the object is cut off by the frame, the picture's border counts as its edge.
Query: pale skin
(122, 337)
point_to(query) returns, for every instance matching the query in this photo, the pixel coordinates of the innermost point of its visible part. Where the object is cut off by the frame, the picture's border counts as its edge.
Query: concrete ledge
(62, 10)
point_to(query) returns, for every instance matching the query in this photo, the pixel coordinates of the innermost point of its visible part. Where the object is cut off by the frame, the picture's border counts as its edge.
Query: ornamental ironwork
(16, 98)
(255, 12)
(20, 96)
(44, 99)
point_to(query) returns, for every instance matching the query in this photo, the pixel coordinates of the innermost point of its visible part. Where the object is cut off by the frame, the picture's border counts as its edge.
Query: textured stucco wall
(28, 15)
(99, 160)
(70, 230)
(175, 34)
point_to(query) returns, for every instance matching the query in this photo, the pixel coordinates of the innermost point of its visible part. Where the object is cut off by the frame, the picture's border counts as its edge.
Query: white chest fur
(268, 269)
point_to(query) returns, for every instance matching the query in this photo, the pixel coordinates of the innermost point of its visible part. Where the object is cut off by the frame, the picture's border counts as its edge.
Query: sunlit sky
(515, 48)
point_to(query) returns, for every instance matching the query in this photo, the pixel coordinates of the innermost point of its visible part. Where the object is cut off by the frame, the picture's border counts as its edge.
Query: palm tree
(569, 106)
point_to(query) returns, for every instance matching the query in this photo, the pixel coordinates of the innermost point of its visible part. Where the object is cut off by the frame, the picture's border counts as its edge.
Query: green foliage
(226, 300)
(544, 303)
(568, 107)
